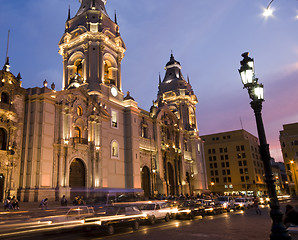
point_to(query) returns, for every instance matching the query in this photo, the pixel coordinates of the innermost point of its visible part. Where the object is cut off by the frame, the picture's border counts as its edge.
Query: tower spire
(6, 65)
(68, 13)
(116, 17)
(159, 79)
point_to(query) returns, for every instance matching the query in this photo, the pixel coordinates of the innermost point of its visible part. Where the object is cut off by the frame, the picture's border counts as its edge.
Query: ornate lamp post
(255, 91)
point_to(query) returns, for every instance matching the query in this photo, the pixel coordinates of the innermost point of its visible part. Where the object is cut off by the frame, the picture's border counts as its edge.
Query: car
(212, 208)
(74, 214)
(241, 203)
(155, 211)
(264, 200)
(190, 209)
(227, 202)
(110, 217)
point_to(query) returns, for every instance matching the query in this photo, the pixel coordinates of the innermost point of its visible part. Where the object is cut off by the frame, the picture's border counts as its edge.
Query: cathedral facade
(90, 138)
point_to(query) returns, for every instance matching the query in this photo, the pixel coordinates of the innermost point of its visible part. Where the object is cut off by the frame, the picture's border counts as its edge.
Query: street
(244, 225)
(235, 225)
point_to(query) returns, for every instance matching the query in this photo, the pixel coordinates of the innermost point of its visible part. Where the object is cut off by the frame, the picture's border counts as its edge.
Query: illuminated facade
(289, 146)
(234, 164)
(90, 139)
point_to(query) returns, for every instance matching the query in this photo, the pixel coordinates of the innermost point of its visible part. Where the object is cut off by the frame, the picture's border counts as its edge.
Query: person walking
(63, 201)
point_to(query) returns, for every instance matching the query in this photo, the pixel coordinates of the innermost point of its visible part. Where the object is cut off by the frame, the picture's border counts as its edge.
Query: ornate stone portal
(89, 139)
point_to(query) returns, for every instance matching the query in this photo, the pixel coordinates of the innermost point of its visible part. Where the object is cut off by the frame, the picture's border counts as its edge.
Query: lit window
(80, 111)
(114, 119)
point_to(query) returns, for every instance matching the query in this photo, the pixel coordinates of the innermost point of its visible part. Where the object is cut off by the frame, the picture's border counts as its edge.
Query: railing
(79, 140)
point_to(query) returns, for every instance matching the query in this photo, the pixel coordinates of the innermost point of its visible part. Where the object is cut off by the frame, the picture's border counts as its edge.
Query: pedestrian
(291, 216)
(15, 203)
(7, 203)
(63, 201)
(257, 207)
(44, 204)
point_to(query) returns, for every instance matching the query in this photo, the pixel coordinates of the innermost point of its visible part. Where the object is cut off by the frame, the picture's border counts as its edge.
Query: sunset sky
(206, 36)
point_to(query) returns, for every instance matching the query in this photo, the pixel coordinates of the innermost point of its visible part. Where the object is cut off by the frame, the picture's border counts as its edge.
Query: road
(244, 225)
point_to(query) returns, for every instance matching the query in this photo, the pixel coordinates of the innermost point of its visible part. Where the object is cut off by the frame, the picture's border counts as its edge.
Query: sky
(206, 36)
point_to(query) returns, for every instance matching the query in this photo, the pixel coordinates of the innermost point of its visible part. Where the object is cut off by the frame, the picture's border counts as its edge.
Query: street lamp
(255, 91)
(267, 11)
(212, 184)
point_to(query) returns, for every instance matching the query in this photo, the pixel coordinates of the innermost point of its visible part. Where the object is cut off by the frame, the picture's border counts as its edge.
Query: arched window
(3, 139)
(115, 149)
(79, 68)
(80, 111)
(77, 132)
(109, 73)
(5, 97)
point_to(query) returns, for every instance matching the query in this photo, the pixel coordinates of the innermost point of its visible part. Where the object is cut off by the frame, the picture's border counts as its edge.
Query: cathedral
(90, 138)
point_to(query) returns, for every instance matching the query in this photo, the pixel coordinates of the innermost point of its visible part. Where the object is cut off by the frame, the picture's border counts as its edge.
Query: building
(288, 138)
(90, 138)
(234, 164)
(280, 177)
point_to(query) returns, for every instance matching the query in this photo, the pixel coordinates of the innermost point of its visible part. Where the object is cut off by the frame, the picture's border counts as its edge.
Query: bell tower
(178, 94)
(92, 48)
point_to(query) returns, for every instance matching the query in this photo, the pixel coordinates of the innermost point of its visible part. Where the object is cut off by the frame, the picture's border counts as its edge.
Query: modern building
(233, 163)
(90, 138)
(289, 146)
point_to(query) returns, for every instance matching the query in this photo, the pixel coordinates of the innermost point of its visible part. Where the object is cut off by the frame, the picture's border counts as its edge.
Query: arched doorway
(77, 178)
(171, 179)
(146, 182)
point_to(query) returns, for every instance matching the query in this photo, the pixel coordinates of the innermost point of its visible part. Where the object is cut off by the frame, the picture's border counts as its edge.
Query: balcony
(79, 140)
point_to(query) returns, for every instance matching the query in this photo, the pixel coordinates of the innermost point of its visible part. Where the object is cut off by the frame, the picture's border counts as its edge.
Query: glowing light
(267, 12)
(66, 141)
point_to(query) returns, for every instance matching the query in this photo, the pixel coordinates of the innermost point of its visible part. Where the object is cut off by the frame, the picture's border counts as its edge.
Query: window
(223, 164)
(230, 180)
(115, 149)
(243, 155)
(225, 150)
(77, 132)
(242, 148)
(211, 165)
(210, 159)
(217, 180)
(226, 157)
(212, 173)
(247, 178)
(209, 151)
(227, 164)
(242, 179)
(215, 165)
(216, 172)
(238, 148)
(221, 157)
(228, 172)
(223, 172)
(3, 139)
(225, 179)
(239, 155)
(239, 163)
(214, 158)
(213, 151)
(244, 163)
(5, 97)
(241, 170)
(114, 119)
(220, 150)
(79, 111)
